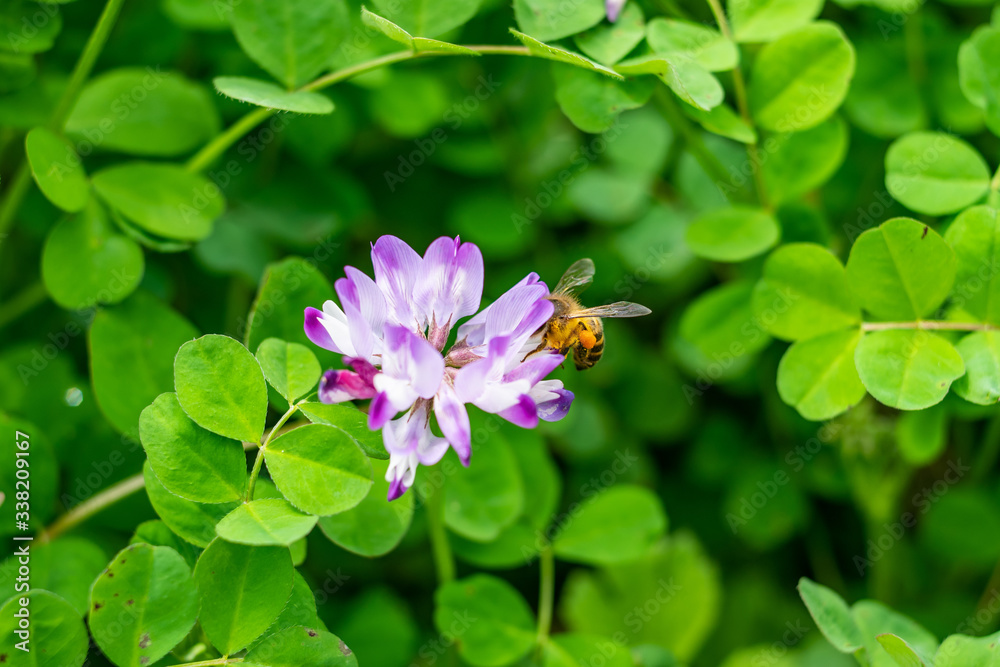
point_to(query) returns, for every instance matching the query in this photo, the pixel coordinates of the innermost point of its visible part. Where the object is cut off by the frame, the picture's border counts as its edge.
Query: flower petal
(557, 403)
(471, 380)
(328, 328)
(409, 357)
(474, 330)
(524, 413)
(365, 308)
(451, 281)
(400, 474)
(536, 368)
(380, 411)
(397, 267)
(613, 8)
(453, 419)
(521, 310)
(337, 386)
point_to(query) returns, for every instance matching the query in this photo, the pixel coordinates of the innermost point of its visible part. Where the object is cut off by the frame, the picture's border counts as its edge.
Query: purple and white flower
(393, 330)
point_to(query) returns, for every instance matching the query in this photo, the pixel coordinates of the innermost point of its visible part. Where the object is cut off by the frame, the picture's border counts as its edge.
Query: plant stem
(219, 144)
(546, 592)
(929, 325)
(742, 104)
(444, 561)
(85, 64)
(88, 508)
(20, 303)
(259, 461)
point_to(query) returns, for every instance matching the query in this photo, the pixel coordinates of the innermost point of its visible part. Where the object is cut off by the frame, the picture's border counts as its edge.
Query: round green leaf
(266, 94)
(593, 101)
(874, 619)
(616, 526)
(799, 80)
(804, 293)
(832, 616)
(981, 354)
(299, 645)
(143, 605)
(608, 43)
(908, 369)
(270, 521)
(57, 169)
(803, 161)
(375, 526)
(975, 237)
(221, 387)
(56, 635)
(242, 589)
(27, 28)
(188, 460)
(722, 120)
(319, 469)
(85, 262)
(766, 20)
(143, 111)
(194, 522)
(291, 368)
(935, 173)
(157, 533)
(548, 20)
(497, 624)
(959, 650)
(293, 40)
(351, 421)
(884, 99)
(164, 199)
(485, 498)
(132, 348)
(817, 376)
(690, 81)
(685, 40)
(300, 610)
(902, 270)
(978, 77)
(732, 234)
(428, 18)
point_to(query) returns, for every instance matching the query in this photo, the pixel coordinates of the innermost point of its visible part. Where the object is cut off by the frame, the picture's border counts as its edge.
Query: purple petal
(397, 267)
(317, 333)
(524, 413)
(517, 310)
(380, 411)
(362, 368)
(453, 419)
(474, 330)
(451, 282)
(555, 409)
(338, 386)
(536, 368)
(397, 488)
(613, 8)
(365, 308)
(410, 357)
(471, 380)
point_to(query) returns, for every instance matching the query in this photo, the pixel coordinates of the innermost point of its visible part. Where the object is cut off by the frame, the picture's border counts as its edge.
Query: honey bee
(573, 327)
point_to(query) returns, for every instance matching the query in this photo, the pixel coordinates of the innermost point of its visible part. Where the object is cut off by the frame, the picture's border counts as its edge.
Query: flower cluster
(393, 330)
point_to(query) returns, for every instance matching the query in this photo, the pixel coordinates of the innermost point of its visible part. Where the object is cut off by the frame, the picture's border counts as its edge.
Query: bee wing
(577, 276)
(618, 309)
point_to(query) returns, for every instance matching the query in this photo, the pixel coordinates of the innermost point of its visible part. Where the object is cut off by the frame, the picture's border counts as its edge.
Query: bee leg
(541, 346)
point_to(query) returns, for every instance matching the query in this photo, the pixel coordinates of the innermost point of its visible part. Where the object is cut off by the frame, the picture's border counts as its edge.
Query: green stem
(19, 304)
(85, 64)
(929, 325)
(88, 508)
(259, 461)
(742, 103)
(218, 146)
(444, 561)
(546, 593)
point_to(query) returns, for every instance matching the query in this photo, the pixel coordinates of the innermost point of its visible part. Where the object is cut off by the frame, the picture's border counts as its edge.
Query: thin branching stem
(929, 325)
(259, 461)
(90, 507)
